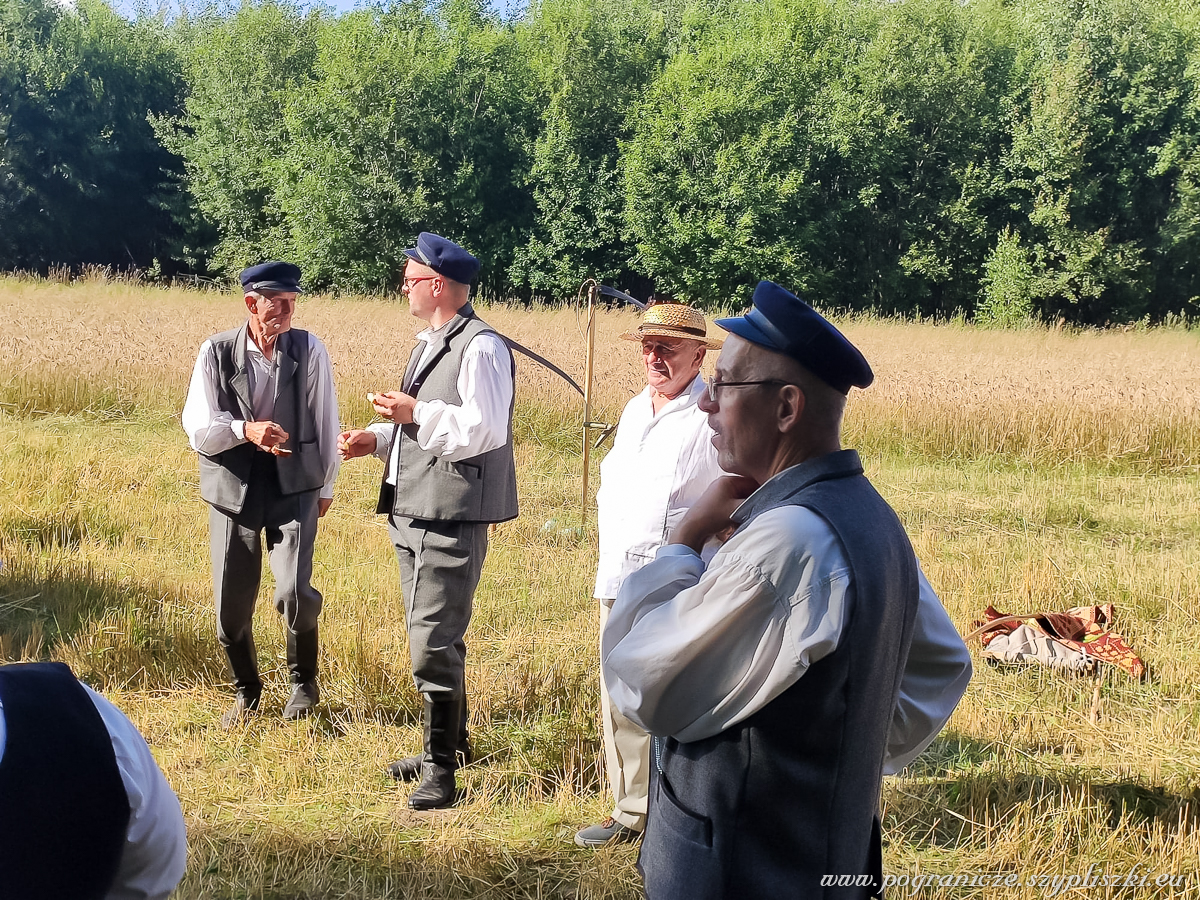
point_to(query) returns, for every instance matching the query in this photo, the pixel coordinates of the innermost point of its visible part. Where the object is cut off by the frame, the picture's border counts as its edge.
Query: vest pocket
(673, 815)
(678, 859)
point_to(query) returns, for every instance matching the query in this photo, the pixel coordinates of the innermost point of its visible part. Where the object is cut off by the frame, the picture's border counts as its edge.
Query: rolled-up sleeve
(934, 680)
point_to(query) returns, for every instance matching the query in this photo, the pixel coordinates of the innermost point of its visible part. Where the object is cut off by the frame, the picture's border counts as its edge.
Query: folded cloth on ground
(1083, 630)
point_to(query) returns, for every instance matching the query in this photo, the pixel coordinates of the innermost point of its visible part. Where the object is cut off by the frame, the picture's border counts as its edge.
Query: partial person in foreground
(448, 473)
(262, 415)
(808, 654)
(661, 461)
(85, 812)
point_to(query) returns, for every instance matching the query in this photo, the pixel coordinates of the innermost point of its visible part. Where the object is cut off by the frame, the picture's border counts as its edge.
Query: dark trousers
(289, 524)
(440, 564)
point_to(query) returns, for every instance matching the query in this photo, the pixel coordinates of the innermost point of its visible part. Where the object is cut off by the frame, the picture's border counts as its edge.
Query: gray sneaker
(610, 831)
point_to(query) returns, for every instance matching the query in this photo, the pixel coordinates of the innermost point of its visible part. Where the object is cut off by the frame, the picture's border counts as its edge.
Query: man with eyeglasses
(661, 461)
(262, 414)
(449, 473)
(784, 677)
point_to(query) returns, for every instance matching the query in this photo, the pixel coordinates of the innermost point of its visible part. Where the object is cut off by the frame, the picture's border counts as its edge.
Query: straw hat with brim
(677, 320)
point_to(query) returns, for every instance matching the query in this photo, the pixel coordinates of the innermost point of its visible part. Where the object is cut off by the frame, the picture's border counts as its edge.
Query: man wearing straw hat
(661, 461)
(779, 673)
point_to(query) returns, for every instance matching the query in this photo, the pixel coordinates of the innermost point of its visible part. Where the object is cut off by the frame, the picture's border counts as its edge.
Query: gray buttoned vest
(224, 477)
(482, 488)
(769, 806)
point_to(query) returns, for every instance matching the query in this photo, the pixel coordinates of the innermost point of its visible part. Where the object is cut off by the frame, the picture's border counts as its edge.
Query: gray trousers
(290, 526)
(440, 563)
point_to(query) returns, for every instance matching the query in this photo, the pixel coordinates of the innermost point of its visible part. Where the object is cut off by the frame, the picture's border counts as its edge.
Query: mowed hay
(1035, 470)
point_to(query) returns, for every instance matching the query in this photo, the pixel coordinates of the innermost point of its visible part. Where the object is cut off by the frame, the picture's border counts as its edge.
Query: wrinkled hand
(395, 405)
(323, 505)
(355, 443)
(710, 516)
(267, 435)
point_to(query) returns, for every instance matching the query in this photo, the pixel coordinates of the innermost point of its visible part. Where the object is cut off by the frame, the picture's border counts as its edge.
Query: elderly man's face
(743, 415)
(671, 363)
(271, 311)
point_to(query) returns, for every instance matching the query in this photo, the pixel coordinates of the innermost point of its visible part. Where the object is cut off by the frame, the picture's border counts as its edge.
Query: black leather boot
(443, 720)
(409, 768)
(243, 665)
(302, 650)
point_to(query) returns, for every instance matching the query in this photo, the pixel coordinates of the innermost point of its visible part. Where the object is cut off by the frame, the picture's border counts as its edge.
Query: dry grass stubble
(1034, 469)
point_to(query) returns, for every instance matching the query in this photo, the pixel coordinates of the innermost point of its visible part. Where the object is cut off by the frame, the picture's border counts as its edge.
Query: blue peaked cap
(445, 257)
(271, 276)
(781, 321)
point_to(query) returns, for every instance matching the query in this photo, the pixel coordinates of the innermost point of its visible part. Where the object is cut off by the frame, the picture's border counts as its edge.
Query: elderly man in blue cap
(774, 678)
(262, 414)
(448, 473)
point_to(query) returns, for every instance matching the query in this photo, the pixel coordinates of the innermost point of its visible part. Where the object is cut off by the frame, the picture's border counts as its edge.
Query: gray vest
(482, 488)
(770, 805)
(224, 477)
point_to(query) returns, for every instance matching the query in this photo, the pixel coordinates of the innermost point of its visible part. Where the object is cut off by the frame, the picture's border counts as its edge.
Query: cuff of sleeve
(419, 410)
(676, 550)
(238, 427)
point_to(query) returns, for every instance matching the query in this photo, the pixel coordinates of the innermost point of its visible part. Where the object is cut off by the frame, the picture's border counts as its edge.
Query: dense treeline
(1000, 159)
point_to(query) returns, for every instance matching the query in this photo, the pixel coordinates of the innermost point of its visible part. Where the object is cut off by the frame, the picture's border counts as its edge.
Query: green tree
(82, 177)
(839, 148)
(592, 61)
(1102, 158)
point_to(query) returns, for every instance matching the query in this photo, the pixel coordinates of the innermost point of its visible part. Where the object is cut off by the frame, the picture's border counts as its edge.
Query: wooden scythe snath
(588, 424)
(593, 290)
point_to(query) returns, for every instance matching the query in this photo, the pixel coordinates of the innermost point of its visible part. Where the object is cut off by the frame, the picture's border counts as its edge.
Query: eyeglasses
(712, 384)
(409, 282)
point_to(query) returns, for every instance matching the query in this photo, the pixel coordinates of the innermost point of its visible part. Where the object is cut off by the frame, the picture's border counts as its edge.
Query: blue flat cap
(445, 257)
(271, 276)
(781, 321)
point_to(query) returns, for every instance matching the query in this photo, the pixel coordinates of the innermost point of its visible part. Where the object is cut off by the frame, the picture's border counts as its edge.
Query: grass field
(1035, 469)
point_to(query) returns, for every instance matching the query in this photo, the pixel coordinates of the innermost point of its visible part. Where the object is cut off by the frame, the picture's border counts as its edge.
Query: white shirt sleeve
(210, 430)
(322, 400)
(480, 422)
(690, 651)
(155, 854)
(935, 678)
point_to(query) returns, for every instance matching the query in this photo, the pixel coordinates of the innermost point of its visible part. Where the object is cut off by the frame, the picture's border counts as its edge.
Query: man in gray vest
(449, 472)
(772, 676)
(262, 414)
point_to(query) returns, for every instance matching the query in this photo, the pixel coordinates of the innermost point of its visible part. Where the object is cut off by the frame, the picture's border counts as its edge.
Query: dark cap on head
(781, 321)
(444, 257)
(271, 276)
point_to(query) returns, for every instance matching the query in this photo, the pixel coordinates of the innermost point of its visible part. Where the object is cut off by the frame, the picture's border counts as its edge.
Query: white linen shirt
(691, 650)
(155, 853)
(212, 430)
(658, 466)
(477, 425)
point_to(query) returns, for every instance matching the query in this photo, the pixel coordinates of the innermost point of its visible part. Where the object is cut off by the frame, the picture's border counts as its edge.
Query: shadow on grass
(961, 788)
(113, 632)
